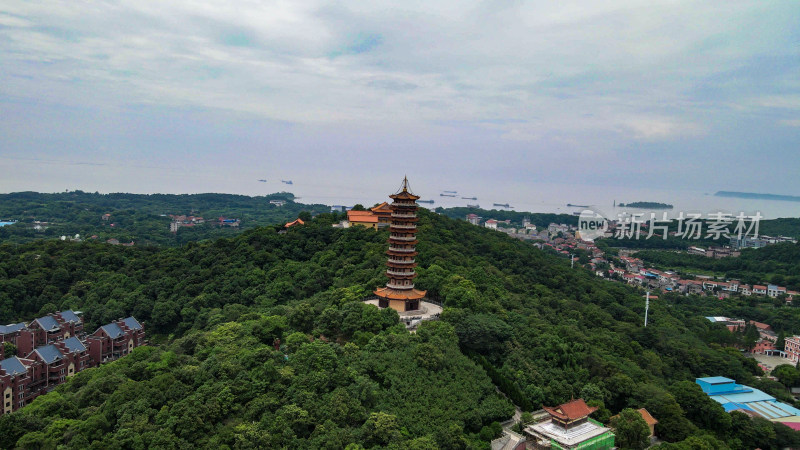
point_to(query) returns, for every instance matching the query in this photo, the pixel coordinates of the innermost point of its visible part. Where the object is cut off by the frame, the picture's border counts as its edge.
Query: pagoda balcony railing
(400, 274)
(404, 227)
(400, 286)
(403, 238)
(402, 250)
(401, 261)
(404, 216)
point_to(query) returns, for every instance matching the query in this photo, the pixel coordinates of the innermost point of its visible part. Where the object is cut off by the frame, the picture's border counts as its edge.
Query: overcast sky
(180, 95)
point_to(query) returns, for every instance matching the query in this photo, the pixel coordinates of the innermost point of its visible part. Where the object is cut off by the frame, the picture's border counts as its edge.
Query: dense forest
(261, 341)
(139, 218)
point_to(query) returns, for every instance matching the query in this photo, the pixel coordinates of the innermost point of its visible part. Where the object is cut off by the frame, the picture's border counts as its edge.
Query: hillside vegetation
(140, 218)
(346, 373)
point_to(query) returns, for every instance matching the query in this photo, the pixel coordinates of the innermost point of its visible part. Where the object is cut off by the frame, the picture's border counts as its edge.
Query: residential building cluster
(766, 338)
(636, 273)
(564, 239)
(181, 221)
(54, 347)
(526, 232)
(714, 252)
(738, 243)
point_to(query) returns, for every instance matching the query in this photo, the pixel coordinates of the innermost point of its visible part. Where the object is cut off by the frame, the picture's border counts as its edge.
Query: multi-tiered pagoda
(399, 293)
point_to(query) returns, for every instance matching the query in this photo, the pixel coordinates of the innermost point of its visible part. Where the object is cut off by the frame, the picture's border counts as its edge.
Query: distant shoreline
(752, 195)
(646, 205)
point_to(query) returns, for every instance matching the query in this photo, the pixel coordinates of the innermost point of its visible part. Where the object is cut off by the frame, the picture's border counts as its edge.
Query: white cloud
(571, 75)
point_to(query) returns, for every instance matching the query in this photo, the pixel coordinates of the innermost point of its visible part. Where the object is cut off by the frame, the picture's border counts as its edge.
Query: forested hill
(347, 373)
(141, 218)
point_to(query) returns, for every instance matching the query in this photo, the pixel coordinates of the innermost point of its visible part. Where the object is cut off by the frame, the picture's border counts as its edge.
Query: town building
(225, 222)
(473, 219)
(792, 348)
(731, 324)
(569, 427)
(738, 243)
(491, 224)
(775, 291)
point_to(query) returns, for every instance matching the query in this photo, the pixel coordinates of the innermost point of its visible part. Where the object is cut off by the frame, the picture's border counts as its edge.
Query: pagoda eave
(396, 294)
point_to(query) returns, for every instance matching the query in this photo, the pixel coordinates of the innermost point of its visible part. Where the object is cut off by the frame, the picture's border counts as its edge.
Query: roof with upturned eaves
(572, 410)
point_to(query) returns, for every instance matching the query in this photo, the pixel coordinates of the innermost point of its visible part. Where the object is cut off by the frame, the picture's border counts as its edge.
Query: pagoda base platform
(426, 311)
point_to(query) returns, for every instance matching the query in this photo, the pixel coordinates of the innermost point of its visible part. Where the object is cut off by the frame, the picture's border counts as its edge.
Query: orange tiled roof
(383, 207)
(297, 221)
(396, 294)
(364, 219)
(572, 410)
(405, 195)
(647, 417)
(362, 216)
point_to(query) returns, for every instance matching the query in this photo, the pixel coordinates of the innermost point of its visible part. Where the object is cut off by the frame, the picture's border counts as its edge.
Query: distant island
(647, 205)
(785, 198)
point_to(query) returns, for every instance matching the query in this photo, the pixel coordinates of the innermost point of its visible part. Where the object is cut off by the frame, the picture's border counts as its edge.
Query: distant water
(553, 198)
(359, 185)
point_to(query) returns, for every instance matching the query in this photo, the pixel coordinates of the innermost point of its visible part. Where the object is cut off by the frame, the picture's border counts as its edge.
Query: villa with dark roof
(48, 329)
(55, 347)
(115, 340)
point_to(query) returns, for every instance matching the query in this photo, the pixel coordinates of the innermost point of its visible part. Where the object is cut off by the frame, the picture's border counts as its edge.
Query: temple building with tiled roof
(569, 427)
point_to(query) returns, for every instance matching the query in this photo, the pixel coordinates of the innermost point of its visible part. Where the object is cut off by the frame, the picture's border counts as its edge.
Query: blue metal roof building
(733, 396)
